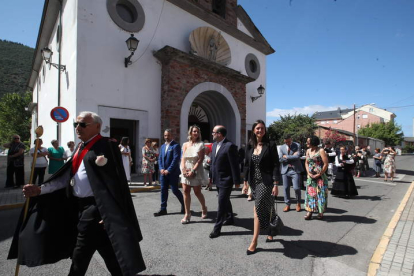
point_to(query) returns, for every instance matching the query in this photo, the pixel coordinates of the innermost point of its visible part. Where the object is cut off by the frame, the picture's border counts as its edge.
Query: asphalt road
(341, 244)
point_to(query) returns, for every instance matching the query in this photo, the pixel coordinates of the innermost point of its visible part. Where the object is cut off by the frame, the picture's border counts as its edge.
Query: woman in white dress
(192, 171)
(126, 156)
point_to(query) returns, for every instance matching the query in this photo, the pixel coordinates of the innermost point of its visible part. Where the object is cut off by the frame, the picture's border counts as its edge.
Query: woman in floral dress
(389, 163)
(148, 160)
(317, 183)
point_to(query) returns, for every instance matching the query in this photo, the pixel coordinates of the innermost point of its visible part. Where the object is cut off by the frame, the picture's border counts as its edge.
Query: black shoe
(214, 235)
(228, 222)
(248, 252)
(160, 213)
(270, 240)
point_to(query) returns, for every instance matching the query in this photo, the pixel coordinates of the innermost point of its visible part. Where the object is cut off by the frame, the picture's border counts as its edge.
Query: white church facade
(197, 62)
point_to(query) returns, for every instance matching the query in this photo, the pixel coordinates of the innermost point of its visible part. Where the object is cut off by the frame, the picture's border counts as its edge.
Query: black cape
(49, 232)
(344, 184)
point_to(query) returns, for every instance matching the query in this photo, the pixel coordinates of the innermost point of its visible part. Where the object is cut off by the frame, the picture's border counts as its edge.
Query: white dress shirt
(219, 144)
(167, 145)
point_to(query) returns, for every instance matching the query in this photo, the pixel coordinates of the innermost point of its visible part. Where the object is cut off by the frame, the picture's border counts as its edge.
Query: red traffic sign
(59, 114)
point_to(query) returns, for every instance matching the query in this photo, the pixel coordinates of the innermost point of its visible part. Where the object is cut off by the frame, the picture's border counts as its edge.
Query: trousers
(289, 178)
(167, 182)
(92, 237)
(225, 209)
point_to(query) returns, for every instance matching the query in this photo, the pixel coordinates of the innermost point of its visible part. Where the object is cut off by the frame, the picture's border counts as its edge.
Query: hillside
(15, 65)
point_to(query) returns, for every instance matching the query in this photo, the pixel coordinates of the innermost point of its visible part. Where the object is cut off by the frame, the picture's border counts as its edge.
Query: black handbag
(275, 225)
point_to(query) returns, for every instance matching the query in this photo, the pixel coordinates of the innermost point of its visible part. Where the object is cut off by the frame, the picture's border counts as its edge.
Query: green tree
(389, 132)
(299, 126)
(14, 119)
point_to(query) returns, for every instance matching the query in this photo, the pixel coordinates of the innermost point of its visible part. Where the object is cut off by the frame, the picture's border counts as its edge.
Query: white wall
(48, 93)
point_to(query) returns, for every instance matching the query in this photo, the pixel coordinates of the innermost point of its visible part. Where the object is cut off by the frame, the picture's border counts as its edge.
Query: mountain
(15, 65)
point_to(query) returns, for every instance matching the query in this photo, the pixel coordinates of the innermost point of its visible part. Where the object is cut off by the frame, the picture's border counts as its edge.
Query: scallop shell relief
(210, 44)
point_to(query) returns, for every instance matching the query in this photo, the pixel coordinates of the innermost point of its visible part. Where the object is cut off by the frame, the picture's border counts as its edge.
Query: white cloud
(307, 110)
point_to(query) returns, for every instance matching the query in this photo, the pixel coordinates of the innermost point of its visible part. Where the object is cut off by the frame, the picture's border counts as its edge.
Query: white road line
(379, 182)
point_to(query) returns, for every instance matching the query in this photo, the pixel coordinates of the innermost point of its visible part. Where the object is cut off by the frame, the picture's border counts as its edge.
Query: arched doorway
(208, 105)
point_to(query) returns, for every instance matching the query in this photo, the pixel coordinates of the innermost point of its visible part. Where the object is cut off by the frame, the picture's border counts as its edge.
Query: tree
(299, 126)
(389, 132)
(14, 119)
(334, 137)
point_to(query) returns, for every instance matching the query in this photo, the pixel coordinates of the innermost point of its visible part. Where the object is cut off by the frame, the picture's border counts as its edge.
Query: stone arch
(219, 105)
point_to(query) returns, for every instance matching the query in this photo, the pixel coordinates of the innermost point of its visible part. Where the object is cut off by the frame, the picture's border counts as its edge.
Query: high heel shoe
(248, 252)
(186, 219)
(308, 216)
(204, 213)
(320, 217)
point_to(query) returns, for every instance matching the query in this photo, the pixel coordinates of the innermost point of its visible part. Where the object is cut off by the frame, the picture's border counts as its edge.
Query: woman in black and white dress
(262, 173)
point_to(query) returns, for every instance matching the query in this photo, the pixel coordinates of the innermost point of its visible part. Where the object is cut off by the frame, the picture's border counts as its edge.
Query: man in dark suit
(169, 164)
(291, 167)
(84, 207)
(224, 172)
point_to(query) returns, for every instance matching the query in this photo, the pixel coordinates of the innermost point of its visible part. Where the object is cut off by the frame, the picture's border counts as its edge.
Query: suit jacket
(170, 160)
(293, 158)
(49, 233)
(224, 166)
(268, 164)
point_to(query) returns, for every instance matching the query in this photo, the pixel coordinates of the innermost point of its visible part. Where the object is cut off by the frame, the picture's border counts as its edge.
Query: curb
(11, 206)
(385, 239)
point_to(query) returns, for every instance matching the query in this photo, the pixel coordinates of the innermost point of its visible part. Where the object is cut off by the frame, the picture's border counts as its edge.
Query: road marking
(379, 182)
(385, 239)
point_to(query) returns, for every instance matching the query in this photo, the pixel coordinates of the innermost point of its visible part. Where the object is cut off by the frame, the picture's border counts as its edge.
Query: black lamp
(47, 56)
(261, 91)
(132, 44)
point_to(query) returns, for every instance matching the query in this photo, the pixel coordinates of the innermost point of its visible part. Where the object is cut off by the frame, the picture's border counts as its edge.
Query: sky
(329, 53)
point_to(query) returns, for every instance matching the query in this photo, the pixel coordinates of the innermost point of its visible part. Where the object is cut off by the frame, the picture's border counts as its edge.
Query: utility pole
(355, 142)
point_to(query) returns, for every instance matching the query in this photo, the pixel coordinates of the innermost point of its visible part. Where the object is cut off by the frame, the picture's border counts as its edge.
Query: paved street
(342, 244)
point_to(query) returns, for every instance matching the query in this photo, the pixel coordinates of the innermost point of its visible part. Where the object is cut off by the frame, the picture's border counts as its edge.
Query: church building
(148, 65)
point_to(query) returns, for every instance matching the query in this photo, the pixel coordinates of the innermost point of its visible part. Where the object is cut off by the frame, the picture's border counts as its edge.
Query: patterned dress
(389, 163)
(190, 159)
(147, 166)
(316, 189)
(264, 201)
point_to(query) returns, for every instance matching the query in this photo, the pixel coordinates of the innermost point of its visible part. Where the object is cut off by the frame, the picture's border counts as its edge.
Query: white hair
(96, 118)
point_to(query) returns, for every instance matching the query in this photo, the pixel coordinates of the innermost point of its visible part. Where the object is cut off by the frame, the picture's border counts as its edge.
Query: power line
(399, 106)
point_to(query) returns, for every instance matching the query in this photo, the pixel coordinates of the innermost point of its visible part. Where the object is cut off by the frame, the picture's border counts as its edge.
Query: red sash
(77, 159)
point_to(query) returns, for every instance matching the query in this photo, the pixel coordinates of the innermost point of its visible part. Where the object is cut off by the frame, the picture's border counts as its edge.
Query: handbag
(275, 225)
(206, 166)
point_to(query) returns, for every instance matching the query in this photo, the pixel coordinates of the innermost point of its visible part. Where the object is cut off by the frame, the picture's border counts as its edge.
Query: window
(127, 14)
(335, 121)
(219, 7)
(371, 110)
(359, 126)
(358, 117)
(365, 116)
(252, 65)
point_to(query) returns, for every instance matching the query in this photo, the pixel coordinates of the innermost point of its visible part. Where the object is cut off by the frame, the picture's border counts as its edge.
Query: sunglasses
(16, 138)
(82, 125)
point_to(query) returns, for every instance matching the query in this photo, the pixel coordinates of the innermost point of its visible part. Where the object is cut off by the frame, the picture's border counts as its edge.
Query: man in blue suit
(169, 164)
(290, 168)
(224, 172)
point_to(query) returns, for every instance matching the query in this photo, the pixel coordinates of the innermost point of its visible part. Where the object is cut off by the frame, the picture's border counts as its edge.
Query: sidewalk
(395, 252)
(13, 198)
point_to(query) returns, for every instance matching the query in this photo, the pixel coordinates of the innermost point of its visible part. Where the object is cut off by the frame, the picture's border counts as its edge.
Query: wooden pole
(39, 133)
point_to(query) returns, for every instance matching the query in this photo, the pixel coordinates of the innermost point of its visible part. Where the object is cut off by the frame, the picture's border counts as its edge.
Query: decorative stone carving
(210, 44)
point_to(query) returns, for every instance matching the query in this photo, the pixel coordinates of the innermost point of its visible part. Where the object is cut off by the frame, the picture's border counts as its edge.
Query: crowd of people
(261, 165)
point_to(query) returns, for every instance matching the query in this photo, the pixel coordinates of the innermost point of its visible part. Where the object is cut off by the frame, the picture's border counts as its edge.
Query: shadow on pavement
(407, 172)
(335, 211)
(357, 219)
(9, 223)
(302, 249)
(372, 198)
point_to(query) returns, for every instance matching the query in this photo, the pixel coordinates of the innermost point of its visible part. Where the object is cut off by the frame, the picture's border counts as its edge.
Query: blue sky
(328, 53)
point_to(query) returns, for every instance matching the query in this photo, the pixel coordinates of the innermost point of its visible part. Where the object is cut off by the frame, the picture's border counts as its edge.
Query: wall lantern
(47, 56)
(132, 44)
(261, 91)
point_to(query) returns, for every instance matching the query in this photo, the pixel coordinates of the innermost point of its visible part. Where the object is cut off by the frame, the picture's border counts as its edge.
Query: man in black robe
(84, 207)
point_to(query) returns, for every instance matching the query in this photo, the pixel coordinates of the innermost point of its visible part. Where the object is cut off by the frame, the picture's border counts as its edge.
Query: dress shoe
(269, 240)
(160, 213)
(297, 207)
(308, 216)
(214, 235)
(287, 208)
(248, 252)
(228, 222)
